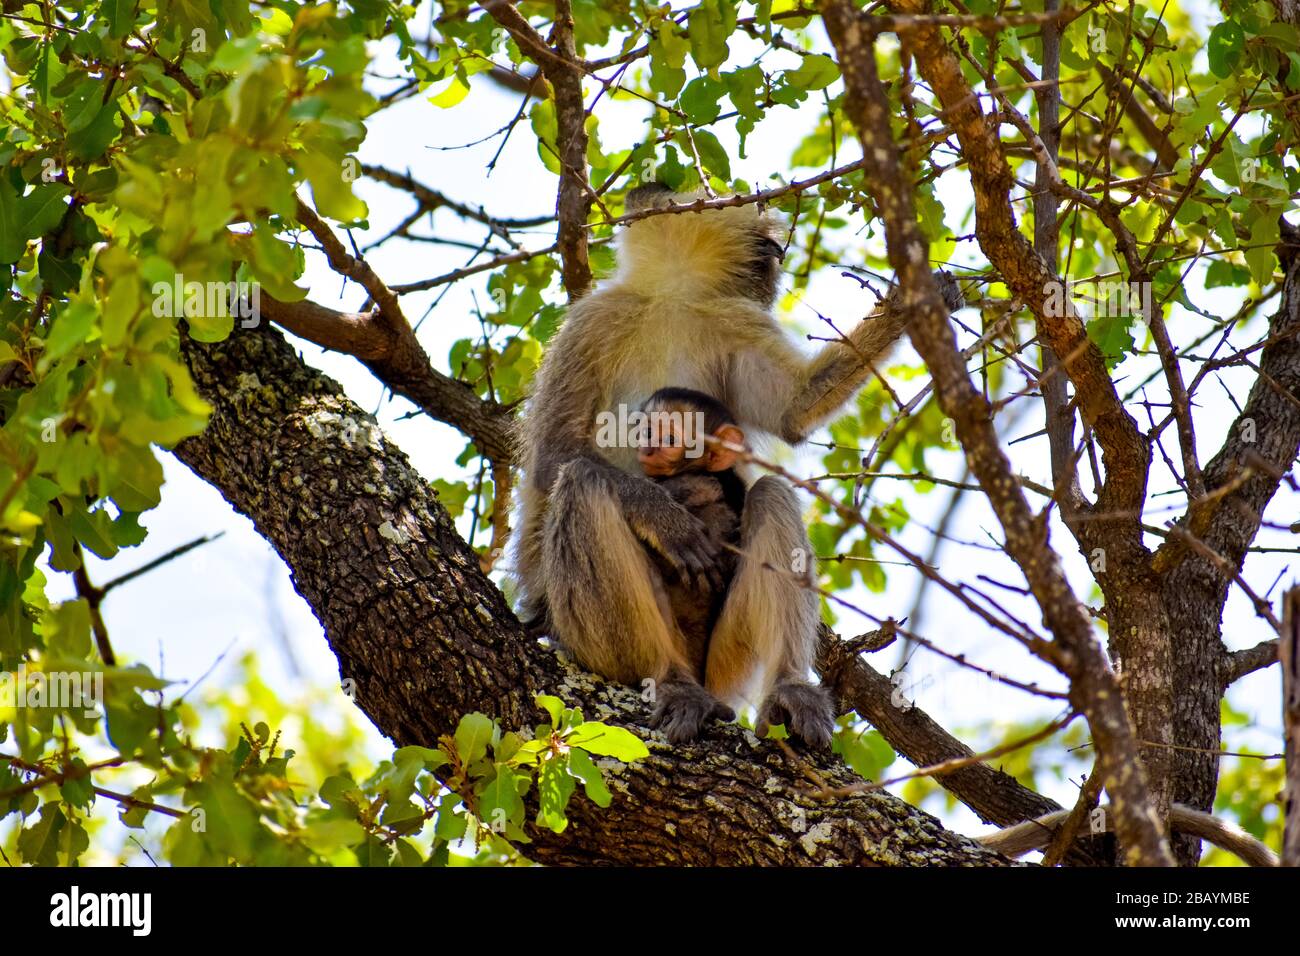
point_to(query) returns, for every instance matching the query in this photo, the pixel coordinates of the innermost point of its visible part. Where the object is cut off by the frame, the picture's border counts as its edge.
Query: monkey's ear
(720, 459)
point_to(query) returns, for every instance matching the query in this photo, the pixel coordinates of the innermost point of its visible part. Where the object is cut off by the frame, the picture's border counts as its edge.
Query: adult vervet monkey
(690, 307)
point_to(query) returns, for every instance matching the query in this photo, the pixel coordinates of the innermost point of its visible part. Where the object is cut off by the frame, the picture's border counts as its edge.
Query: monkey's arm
(837, 372)
(790, 395)
(702, 496)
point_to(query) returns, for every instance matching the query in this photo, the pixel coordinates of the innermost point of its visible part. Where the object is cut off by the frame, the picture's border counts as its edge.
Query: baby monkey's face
(672, 440)
(664, 443)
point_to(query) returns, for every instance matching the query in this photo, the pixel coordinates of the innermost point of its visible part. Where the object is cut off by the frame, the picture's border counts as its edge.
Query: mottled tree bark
(426, 638)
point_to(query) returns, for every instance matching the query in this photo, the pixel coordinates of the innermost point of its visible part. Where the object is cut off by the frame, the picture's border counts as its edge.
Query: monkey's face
(671, 440)
(661, 448)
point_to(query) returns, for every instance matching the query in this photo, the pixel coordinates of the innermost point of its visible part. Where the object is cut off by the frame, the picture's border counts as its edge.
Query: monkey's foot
(683, 710)
(804, 708)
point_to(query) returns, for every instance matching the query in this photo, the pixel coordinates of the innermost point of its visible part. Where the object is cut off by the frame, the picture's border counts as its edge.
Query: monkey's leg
(605, 598)
(601, 586)
(766, 634)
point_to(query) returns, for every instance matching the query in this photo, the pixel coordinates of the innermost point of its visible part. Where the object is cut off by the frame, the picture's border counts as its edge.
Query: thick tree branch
(1248, 660)
(996, 797)
(1240, 481)
(383, 340)
(1059, 411)
(1289, 653)
(1263, 442)
(1139, 624)
(1153, 134)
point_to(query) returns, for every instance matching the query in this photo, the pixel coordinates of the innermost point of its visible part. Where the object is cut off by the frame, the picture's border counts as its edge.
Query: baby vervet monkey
(674, 449)
(691, 306)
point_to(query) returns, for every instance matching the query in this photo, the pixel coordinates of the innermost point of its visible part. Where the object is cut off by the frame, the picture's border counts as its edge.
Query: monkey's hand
(693, 491)
(684, 708)
(682, 539)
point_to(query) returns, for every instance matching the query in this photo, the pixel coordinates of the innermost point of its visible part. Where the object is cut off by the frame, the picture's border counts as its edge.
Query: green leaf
(456, 90)
(43, 209)
(452, 495)
(236, 55)
(427, 757)
(232, 822)
(1222, 273)
(342, 793)
(816, 72)
(135, 483)
(77, 789)
(134, 815)
(407, 854)
(73, 841)
(1260, 258)
(709, 25)
(451, 822)
(597, 738)
(330, 188)
(667, 56)
(136, 676)
(553, 706)
(121, 15)
(12, 242)
(63, 553)
(1111, 333)
(700, 100)
(94, 529)
(332, 833)
(130, 721)
(39, 844)
(472, 737)
(59, 274)
(66, 629)
(593, 781)
(866, 752)
(554, 788)
(1224, 49)
(499, 802)
(90, 142)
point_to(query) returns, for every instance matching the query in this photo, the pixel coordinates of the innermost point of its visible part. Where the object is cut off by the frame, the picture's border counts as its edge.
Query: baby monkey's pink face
(669, 445)
(662, 450)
